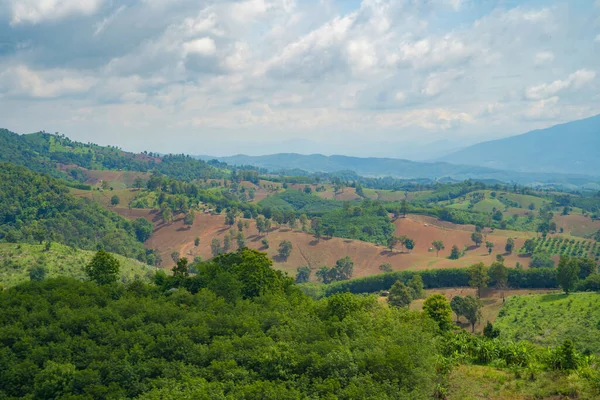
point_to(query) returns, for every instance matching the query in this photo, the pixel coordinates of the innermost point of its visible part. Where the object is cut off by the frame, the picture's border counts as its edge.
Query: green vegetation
(299, 202)
(549, 319)
(564, 246)
(228, 338)
(36, 208)
(17, 260)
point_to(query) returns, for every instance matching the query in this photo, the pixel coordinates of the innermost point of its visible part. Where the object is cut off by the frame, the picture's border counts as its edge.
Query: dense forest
(36, 208)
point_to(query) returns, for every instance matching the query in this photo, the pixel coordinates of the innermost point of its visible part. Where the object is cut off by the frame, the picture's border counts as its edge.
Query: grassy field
(476, 382)
(17, 259)
(104, 196)
(550, 318)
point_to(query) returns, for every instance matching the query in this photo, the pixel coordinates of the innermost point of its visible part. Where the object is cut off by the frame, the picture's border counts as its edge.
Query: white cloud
(575, 81)
(35, 11)
(22, 81)
(437, 82)
(597, 38)
(204, 46)
(102, 25)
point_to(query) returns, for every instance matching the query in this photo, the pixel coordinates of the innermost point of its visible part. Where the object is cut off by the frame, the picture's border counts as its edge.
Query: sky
(406, 78)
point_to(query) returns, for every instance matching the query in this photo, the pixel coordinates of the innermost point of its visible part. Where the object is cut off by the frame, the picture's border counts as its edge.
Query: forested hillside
(36, 208)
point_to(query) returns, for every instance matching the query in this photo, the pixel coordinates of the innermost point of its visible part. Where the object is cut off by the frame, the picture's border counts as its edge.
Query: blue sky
(407, 78)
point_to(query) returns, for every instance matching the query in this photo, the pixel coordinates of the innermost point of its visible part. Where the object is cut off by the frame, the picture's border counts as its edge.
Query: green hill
(16, 260)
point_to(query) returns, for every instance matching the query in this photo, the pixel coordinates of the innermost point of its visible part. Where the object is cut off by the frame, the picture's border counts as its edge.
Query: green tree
(103, 269)
(303, 274)
(400, 295)
(587, 266)
(143, 229)
(567, 274)
(353, 231)
(215, 247)
(529, 246)
(454, 253)
(138, 183)
(265, 243)
(477, 238)
(387, 267)
(167, 215)
(260, 225)
(175, 256)
(472, 310)
(115, 200)
(285, 249)
(180, 270)
(438, 308)
(189, 217)
(415, 284)
(489, 246)
(438, 245)
(490, 331)
(197, 242)
(457, 305)
(226, 243)
(499, 274)
(409, 244)
(304, 222)
(479, 277)
(241, 240)
(392, 242)
(240, 225)
(541, 260)
(38, 273)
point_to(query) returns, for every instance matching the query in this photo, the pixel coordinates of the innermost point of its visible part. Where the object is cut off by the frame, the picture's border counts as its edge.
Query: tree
(499, 274)
(197, 242)
(479, 277)
(472, 310)
(189, 217)
(567, 274)
(477, 238)
(175, 256)
(166, 215)
(529, 246)
(457, 306)
(103, 269)
(138, 183)
(387, 267)
(241, 240)
(392, 242)
(438, 308)
(215, 247)
(143, 229)
(265, 243)
(38, 273)
(303, 222)
(180, 270)
(454, 253)
(490, 331)
(400, 295)
(438, 245)
(510, 245)
(230, 215)
(114, 201)
(330, 231)
(409, 244)
(415, 284)
(404, 208)
(353, 231)
(226, 243)
(587, 266)
(240, 225)
(344, 268)
(489, 246)
(285, 249)
(541, 260)
(303, 274)
(260, 225)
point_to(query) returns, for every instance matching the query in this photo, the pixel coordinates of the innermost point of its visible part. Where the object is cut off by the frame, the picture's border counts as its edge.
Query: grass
(549, 319)
(17, 259)
(474, 382)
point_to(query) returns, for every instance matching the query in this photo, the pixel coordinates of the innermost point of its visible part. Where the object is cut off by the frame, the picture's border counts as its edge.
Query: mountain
(397, 168)
(573, 148)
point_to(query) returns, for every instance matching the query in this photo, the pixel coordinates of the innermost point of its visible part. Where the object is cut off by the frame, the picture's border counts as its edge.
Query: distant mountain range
(573, 148)
(403, 169)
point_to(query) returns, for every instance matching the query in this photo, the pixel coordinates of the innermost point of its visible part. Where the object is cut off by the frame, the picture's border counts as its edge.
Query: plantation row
(567, 247)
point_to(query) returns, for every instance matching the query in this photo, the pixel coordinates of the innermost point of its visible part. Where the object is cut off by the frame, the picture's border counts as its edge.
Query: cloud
(204, 46)
(597, 38)
(21, 81)
(102, 25)
(36, 11)
(438, 82)
(575, 81)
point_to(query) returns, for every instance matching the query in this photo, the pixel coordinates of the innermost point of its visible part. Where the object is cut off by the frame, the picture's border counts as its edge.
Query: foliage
(568, 273)
(285, 249)
(479, 277)
(400, 295)
(498, 274)
(438, 309)
(454, 253)
(303, 274)
(342, 270)
(103, 269)
(541, 260)
(36, 207)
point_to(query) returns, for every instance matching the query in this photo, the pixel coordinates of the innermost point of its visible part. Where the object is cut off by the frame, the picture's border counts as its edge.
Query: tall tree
(438, 245)
(438, 308)
(400, 295)
(510, 245)
(303, 274)
(103, 268)
(567, 274)
(477, 238)
(454, 253)
(215, 247)
(189, 217)
(285, 249)
(479, 277)
(499, 274)
(457, 305)
(472, 310)
(489, 246)
(415, 284)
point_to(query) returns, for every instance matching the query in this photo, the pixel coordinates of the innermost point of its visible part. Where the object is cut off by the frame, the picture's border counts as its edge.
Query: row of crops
(567, 247)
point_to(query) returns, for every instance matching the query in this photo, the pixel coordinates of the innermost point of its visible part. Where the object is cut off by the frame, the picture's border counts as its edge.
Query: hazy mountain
(405, 169)
(573, 147)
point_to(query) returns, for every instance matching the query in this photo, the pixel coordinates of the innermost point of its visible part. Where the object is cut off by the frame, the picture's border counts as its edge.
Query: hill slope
(567, 148)
(17, 259)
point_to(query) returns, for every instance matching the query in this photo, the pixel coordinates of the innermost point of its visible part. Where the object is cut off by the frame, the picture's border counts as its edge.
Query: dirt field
(116, 179)
(577, 225)
(307, 250)
(104, 196)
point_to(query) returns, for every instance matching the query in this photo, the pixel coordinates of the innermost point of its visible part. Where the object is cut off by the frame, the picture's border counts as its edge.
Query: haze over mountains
(546, 155)
(573, 147)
